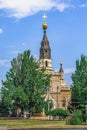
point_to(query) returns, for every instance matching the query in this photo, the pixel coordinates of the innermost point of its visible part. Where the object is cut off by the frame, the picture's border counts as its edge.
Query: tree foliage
(79, 87)
(76, 118)
(59, 112)
(25, 84)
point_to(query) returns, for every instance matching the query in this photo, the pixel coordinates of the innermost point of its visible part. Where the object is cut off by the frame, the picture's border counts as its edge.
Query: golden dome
(44, 25)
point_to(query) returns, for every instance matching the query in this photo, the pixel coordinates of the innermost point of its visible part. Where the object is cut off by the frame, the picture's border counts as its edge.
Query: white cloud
(62, 6)
(83, 5)
(1, 30)
(69, 70)
(23, 8)
(15, 52)
(4, 62)
(24, 44)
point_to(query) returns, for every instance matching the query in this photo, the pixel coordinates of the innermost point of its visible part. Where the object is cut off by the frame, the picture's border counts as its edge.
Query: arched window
(46, 63)
(64, 102)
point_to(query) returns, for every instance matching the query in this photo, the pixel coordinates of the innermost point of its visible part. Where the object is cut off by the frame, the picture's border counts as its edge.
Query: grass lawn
(36, 124)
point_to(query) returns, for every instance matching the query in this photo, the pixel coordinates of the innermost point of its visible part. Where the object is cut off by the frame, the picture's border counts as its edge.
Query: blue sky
(21, 29)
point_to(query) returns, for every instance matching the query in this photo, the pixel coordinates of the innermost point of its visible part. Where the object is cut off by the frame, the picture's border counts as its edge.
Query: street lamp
(48, 101)
(86, 114)
(57, 102)
(48, 104)
(57, 98)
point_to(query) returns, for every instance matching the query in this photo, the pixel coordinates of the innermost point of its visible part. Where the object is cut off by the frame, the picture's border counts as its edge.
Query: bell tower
(45, 50)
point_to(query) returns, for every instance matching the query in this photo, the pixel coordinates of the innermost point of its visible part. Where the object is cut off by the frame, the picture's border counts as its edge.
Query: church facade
(59, 92)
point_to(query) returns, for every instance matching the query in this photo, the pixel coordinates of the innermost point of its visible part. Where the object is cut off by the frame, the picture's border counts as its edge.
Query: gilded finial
(61, 62)
(44, 25)
(61, 69)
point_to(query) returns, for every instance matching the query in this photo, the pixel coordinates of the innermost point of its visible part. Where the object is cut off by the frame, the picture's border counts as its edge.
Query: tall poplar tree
(25, 85)
(79, 86)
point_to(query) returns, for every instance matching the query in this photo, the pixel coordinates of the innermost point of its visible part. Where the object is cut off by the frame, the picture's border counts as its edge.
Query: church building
(59, 92)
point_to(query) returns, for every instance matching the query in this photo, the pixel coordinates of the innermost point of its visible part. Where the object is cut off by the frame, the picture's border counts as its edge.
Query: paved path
(3, 128)
(51, 129)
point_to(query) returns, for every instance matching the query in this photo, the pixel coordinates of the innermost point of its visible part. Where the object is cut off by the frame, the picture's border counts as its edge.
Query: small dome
(44, 25)
(61, 63)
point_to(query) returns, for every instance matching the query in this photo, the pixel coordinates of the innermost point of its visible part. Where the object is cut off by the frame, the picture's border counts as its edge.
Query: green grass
(35, 124)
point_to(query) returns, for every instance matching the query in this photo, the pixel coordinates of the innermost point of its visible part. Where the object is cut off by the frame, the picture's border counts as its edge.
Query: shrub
(59, 112)
(76, 118)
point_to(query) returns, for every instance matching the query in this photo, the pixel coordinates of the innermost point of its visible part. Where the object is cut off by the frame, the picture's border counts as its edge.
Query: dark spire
(61, 69)
(45, 51)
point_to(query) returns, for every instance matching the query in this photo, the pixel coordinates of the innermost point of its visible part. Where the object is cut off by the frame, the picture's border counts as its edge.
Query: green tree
(25, 85)
(79, 86)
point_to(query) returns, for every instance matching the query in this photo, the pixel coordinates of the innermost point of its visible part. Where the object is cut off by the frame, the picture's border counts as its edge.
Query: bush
(76, 118)
(59, 112)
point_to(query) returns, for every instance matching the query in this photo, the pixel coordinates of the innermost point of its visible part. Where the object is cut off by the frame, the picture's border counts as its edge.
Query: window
(45, 50)
(64, 102)
(46, 63)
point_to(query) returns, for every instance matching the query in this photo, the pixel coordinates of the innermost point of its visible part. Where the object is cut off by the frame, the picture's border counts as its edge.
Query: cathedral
(59, 92)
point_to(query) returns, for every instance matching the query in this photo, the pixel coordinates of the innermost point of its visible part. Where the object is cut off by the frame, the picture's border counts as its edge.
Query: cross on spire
(44, 17)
